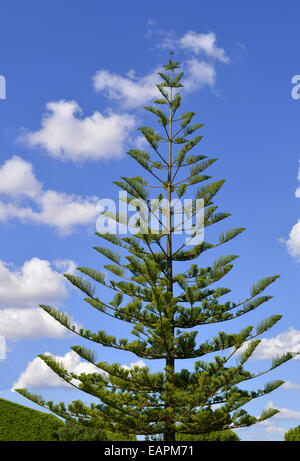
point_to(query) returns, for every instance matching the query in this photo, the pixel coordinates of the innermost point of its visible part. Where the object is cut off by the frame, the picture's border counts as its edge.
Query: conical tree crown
(167, 297)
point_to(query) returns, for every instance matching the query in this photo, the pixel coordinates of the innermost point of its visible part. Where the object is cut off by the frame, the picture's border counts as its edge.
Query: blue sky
(77, 77)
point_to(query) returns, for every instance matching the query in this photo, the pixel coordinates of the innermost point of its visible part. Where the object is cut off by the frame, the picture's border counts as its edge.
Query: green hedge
(19, 423)
(293, 435)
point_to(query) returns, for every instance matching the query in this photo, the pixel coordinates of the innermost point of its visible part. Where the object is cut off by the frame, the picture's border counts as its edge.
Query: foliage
(221, 436)
(292, 435)
(75, 432)
(166, 299)
(19, 423)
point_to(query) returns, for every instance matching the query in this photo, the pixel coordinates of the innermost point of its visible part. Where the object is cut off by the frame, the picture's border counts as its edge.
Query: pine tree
(166, 306)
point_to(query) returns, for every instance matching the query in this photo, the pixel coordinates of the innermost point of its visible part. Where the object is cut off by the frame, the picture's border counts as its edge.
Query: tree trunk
(169, 434)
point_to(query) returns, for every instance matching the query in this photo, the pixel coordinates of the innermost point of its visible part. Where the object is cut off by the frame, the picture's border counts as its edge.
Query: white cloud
(285, 413)
(266, 431)
(64, 212)
(166, 39)
(66, 136)
(276, 430)
(139, 364)
(65, 265)
(288, 341)
(131, 91)
(23, 289)
(293, 242)
(288, 414)
(203, 43)
(198, 75)
(135, 92)
(269, 430)
(17, 178)
(141, 142)
(16, 324)
(192, 41)
(34, 283)
(288, 386)
(38, 374)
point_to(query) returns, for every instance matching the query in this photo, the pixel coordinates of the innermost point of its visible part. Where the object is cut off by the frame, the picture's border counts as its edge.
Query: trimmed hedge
(19, 423)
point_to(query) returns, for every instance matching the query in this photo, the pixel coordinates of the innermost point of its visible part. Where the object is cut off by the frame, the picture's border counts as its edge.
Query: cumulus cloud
(131, 91)
(139, 364)
(194, 42)
(135, 92)
(17, 178)
(293, 242)
(276, 430)
(66, 135)
(23, 289)
(198, 75)
(16, 324)
(203, 43)
(36, 282)
(65, 265)
(288, 341)
(64, 212)
(266, 431)
(288, 386)
(285, 413)
(38, 374)
(270, 429)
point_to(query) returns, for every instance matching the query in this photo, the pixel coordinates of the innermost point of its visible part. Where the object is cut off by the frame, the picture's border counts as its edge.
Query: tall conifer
(167, 303)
